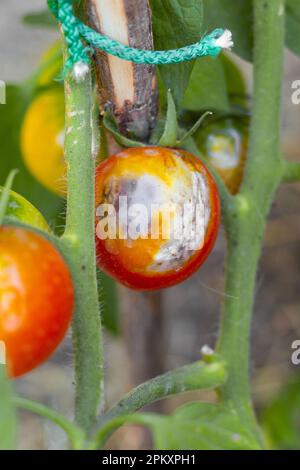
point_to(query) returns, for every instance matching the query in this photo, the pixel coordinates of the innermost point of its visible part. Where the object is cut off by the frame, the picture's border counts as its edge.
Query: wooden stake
(130, 90)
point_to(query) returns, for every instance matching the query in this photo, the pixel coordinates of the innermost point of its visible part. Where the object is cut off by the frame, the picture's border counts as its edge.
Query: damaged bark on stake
(128, 89)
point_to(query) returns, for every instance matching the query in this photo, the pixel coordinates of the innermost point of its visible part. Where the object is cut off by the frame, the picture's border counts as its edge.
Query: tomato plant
(169, 153)
(159, 181)
(36, 298)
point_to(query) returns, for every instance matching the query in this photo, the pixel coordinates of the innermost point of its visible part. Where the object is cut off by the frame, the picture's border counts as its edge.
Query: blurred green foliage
(281, 418)
(201, 426)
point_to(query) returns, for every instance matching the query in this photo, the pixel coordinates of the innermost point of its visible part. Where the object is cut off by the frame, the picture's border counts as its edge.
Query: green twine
(74, 30)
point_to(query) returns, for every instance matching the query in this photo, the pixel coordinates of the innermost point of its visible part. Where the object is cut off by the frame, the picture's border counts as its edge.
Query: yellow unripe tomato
(42, 140)
(224, 143)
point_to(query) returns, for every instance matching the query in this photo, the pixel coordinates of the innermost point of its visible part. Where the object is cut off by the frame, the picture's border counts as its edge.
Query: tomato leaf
(7, 411)
(235, 81)
(41, 19)
(281, 418)
(207, 88)
(200, 426)
(110, 124)
(176, 23)
(11, 116)
(293, 25)
(169, 136)
(237, 16)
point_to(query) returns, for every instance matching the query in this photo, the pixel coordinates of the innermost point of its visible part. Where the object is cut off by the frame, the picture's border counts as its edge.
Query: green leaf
(7, 411)
(293, 25)
(41, 19)
(108, 297)
(110, 124)
(235, 81)
(176, 23)
(207, 88)
(169, 137)
(187, 135)
(11, 117)
(281, 418)
(235, 15)
(200, 426)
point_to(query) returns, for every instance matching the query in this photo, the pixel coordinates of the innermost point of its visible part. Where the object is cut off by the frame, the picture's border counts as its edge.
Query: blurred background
(190, 312)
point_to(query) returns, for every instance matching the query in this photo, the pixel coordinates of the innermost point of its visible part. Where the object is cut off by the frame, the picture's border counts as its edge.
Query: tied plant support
(78, 60)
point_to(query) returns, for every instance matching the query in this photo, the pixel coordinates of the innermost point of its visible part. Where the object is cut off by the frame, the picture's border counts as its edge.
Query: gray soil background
(191, 308)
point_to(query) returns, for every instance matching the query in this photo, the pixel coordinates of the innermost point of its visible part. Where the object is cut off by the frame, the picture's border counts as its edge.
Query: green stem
(245, 225)
(8, 422)
(75, 434)
(79, 247)
(197, 376)
(290, 172)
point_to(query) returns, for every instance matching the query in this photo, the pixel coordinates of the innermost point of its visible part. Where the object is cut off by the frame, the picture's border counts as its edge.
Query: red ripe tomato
(157, 216)
(36, 298)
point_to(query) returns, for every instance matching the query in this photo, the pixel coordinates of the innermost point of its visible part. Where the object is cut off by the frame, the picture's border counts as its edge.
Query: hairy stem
(197, 376)
(79, 248)
(246, 224)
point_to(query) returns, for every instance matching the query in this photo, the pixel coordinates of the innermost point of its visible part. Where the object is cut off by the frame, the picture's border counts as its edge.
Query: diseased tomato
(157, 216)
(225, 144)
(21, 209)
(36, 298)
(42, 140)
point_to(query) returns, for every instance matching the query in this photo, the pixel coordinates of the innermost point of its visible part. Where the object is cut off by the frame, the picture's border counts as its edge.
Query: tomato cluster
(157, 218)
